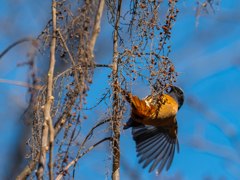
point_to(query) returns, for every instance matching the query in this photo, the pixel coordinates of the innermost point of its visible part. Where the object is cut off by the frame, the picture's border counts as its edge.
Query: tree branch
(47, 124)
(96, 27)
(116, 124)
(19, 83)
(32, 41)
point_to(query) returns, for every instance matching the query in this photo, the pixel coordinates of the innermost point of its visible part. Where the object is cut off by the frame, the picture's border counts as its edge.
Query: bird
(154, 127)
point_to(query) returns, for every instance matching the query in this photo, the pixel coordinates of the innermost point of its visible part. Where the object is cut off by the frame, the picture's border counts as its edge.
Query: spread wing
(155, 144)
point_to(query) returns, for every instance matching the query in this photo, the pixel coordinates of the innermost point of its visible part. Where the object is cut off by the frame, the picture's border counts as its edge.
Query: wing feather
(155, 144)
(171, 157)
(151, 151)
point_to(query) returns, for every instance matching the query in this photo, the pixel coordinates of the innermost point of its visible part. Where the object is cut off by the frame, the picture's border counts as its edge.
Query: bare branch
(47, 125)
(32, 41)
(116, 121)
(96, 28)
(19, 83)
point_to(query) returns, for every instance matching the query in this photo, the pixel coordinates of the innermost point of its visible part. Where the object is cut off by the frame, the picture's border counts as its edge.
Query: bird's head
(178, 95)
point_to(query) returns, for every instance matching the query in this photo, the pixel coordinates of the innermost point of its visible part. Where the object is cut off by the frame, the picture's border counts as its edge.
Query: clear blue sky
(209, 58)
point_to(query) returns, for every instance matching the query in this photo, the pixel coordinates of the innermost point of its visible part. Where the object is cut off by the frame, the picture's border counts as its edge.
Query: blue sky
(208, 56)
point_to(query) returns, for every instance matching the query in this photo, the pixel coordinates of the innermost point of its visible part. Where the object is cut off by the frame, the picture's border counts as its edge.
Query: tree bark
(116, 121)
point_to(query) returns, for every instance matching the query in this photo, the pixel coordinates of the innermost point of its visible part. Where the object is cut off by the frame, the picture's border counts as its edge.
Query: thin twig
(102, 65)
(78, 157)
(70, 55)
(142, 54)
(89, 134)
(32, 41)
(19, 83)
(71, 68)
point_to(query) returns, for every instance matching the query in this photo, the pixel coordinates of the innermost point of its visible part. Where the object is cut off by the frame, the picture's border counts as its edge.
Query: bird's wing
(155, 144)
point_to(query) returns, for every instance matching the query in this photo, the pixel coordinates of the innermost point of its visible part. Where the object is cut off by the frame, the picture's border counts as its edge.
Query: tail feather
(155, 145)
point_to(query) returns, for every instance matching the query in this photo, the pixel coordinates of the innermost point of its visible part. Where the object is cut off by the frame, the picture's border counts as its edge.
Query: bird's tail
(131, 123)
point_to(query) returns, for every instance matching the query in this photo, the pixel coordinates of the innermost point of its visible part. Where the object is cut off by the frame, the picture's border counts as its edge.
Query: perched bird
(154, 127)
